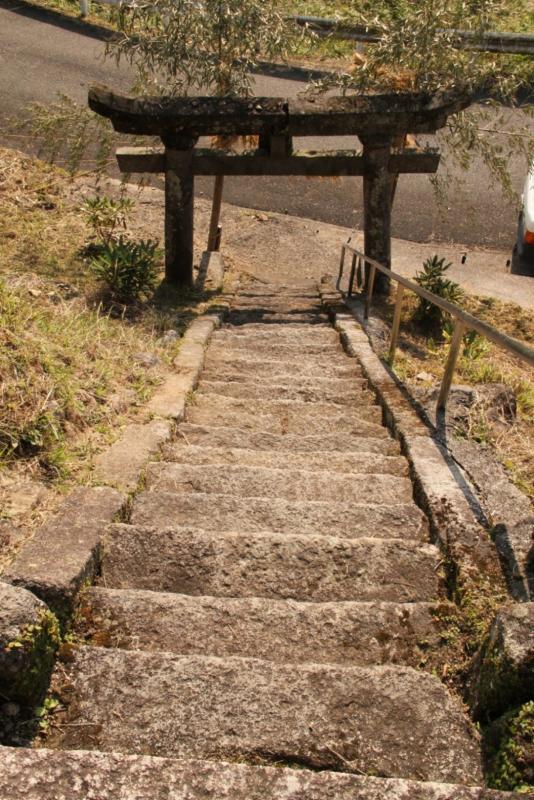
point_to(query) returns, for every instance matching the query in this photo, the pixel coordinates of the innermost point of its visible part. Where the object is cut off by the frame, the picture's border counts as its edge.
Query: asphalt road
(40, 58)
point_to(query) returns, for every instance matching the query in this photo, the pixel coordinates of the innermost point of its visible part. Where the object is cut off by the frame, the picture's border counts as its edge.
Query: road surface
(40, 56)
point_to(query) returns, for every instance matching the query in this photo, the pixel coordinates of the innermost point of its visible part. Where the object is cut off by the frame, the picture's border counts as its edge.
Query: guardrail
(490, 42)
(463, 321)
(487, 41)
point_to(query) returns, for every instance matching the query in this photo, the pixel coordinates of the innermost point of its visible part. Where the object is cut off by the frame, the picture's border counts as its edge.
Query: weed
(433, 279)
(512, 755)
(105, 215)
(127, 268)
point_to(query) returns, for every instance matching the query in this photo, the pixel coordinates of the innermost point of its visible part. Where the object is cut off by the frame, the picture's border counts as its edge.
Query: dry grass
(69, 375)
(481, 363)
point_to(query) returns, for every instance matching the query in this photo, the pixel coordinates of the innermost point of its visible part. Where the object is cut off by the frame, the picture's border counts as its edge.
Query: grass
(69, 371)
(480, 363)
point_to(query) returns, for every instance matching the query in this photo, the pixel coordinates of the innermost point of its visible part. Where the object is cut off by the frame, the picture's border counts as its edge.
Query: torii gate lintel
(381, 123)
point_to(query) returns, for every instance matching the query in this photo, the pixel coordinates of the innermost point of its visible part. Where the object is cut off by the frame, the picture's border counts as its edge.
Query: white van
(525, 234)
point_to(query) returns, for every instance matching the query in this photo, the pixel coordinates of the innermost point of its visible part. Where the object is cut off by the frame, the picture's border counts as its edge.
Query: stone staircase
(268, 601)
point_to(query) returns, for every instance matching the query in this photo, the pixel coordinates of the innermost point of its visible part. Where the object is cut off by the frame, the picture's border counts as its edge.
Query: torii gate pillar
(179, 210)
(377, 205)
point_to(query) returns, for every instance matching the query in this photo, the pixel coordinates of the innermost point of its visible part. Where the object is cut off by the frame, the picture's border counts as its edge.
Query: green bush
(127, 268)
(433, 279)
(105, 215)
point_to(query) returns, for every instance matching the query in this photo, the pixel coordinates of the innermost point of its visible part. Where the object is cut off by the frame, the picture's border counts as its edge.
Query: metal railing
(487, 41)
(490, 42)
(463, 321)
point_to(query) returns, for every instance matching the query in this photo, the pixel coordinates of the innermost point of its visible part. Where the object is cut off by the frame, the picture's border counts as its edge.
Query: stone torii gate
(379, 121)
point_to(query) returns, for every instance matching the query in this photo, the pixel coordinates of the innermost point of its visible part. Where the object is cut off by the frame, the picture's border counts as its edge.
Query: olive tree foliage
(200, 46)
(176, 47)
(418, 51)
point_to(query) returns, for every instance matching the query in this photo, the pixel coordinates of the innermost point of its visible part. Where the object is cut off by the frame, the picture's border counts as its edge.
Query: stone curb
(65, 551)
(439, 488)
(503, 676)
(28, 641)
(211, 271)
(122, 464)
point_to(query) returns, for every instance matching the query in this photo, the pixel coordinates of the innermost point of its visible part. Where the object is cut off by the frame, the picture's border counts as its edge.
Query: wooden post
(370, 287)
(454, 350)
(396, 324)
(216, 203)
(179, 211)
(377, 205)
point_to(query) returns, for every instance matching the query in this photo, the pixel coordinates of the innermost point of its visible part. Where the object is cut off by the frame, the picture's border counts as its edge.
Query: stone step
(263, 317)
(254, 515)
(284, 305)
(312, 351)
(390, 720)
(293, 382)
(227, 436)
(350, 394)
(29, 774)
(339, 463)
(344, 368)
(274, 290)
(290, 409)
(283, 631)
(287, 484)
(289, 422)
(189, 560)
(281, 333)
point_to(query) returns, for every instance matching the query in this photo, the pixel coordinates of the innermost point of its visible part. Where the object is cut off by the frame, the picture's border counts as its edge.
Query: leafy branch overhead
(180, 46)
(417, 52)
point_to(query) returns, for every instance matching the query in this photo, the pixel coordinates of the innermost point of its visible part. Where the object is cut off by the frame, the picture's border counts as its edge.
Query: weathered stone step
(362, 463)
(313, 351)
(288, 422)
(275, 630)
(228, 436)
(279, 304)
(390, 720)
(281, 333)
(28, 774)
(350, 394)
(317, 354)
(245, 363)
(274, 290)
(308, 568)
(244, 481)
(252, 514)
(248, 316)
(290, 409)
(268, 377)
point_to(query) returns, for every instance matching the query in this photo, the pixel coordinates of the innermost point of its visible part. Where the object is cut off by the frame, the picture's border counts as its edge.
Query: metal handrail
(485, 41)
(463, 319)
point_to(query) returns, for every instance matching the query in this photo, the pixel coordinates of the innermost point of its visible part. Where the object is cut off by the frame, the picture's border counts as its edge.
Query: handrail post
(370, 285)
(396, 324)
(341, 268)
(454, 350)
(352, 273)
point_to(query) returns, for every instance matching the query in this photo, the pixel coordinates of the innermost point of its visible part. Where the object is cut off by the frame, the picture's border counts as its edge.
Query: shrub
(127, 268)
(433, 279)
(105, 215)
